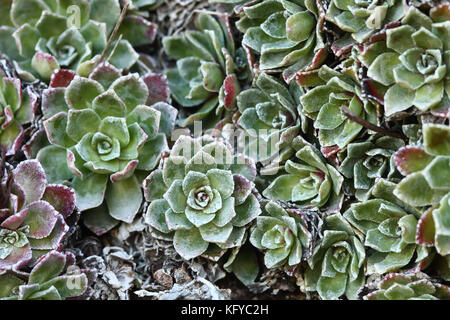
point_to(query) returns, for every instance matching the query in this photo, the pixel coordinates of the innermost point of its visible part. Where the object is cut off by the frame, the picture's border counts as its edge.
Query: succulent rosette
(202, 197)
(287, 35)
(330, 91)
(50, 279)
(322, 160)
(283, 237)
(412, 62)
(268, 115)
(426, 168)
(307, 179)
(32, 214)
(205, 79)
(49, 35)
(442, 266)
(17, 108)
(366, 161)
(336, 267)
(408, 286)
(361, 18)
(389, 229)
(104, 131)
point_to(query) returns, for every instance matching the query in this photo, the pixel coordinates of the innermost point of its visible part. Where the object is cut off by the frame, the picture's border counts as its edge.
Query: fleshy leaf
(189, 243)
(30, 176)
(124, 199)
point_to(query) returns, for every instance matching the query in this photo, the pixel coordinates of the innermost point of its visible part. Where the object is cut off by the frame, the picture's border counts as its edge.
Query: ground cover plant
(223, 149)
